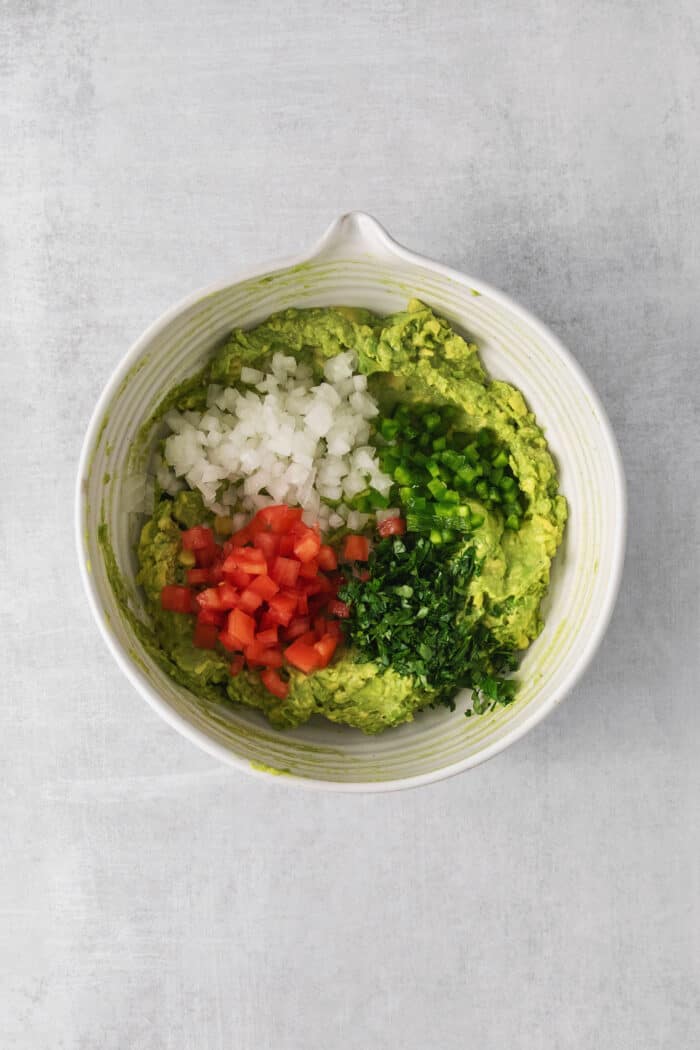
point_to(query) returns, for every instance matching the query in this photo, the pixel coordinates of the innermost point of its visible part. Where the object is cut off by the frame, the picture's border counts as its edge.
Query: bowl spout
(355, 235)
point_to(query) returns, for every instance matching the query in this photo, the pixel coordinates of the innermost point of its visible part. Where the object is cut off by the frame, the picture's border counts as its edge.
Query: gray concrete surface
(150, 899)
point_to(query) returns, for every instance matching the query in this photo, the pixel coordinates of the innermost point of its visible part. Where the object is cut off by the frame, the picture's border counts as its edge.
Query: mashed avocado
(412, 357)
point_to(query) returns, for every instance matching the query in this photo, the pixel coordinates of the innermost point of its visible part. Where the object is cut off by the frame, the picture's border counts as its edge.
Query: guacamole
(415, 358)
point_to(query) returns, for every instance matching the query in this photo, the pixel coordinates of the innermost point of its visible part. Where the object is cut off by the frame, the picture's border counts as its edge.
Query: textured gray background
(151, 899)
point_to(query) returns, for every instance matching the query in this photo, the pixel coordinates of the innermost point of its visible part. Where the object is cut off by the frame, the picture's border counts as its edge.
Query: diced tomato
(310, 587)
(250, 559)
(286, 545)
(272, 657)
(327, 559)
(317, 602)
(265, 586)
(196, 577)
(338, 608)
(268, 543)
(325, 585)
(198, 538)
(251, 653)
(206, 556)
(211, 616)
(236, 665)
(282, 608)
(271, 580)
(253, 561)
(299, 625)
(285, 571)
(325, 647)
(210, 599)
(356, 548)
(320, 626)
(216, 573)
(176, 599)
(307, 546)
(319, 585)
(241, 625)
(300, 528)
(230, 642)
(232, 561)
(268, 621)
(262, 656)
(363, 575)
(228, 596)
(335, 630)
(278, 519)
(391, 527)
(239, 538)
(274, 683)
(309, 569)
(303, 656)
(206, 635)
(269, 636)
(238, 577)
(250, 600)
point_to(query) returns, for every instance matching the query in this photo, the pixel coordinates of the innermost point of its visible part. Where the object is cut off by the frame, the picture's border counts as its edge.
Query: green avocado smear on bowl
(433, 395)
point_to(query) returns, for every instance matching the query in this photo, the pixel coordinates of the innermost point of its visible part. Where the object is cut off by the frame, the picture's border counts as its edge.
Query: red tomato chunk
(265, 586)
(303, 656)
(274, 683)
(391, 527)
(327, 559)
(325, 647)
(356, 548)
(241, 625)
(206, 635)
(198, 538)
(176, 599)
(285, 571)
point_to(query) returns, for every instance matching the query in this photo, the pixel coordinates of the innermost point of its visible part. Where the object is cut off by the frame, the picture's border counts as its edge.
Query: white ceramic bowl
(357, 263)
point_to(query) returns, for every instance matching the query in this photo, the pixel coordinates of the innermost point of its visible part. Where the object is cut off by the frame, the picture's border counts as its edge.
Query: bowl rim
(368, 226)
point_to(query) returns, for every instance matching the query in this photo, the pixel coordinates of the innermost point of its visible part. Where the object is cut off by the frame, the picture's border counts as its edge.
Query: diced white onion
(286, 441)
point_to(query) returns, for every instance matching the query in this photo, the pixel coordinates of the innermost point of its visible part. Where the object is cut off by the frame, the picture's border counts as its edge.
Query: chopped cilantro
(413, 615)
